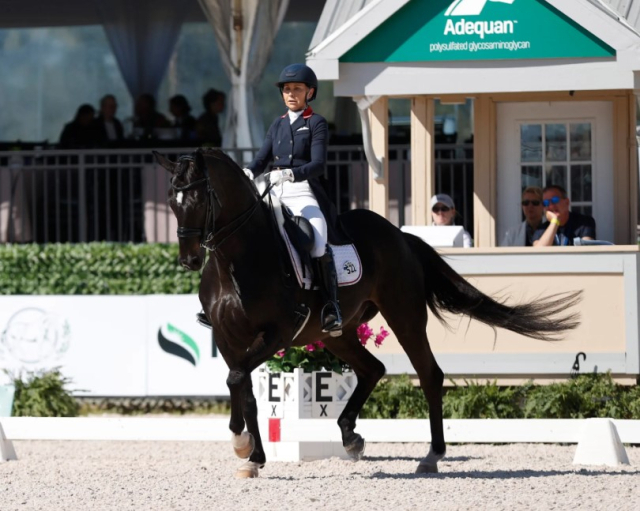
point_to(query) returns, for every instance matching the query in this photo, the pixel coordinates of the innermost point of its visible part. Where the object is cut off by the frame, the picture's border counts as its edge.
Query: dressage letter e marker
(323, 392)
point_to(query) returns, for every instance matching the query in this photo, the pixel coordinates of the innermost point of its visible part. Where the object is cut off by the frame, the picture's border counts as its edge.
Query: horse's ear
(165, 162)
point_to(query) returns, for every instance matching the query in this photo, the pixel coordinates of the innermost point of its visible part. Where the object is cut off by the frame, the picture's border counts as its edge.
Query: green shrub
(589, 395)
(147, 405)
(395, 398)
(94, 269)
(488, 401)
(44, 395)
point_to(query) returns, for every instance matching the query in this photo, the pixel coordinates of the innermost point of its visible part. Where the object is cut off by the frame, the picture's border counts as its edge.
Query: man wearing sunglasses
(564, 225)
(532, 209)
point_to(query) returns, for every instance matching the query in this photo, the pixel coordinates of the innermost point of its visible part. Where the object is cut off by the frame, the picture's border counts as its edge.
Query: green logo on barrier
(174, 341)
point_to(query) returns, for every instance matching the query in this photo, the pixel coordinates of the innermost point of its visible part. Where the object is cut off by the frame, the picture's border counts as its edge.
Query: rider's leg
(331, 318)
(302, 202)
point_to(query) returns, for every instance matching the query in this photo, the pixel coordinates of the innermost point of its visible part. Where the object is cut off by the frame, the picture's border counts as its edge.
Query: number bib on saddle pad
(348, 265)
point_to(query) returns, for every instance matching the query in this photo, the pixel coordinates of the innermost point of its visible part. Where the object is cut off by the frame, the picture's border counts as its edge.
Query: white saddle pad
(347, 260)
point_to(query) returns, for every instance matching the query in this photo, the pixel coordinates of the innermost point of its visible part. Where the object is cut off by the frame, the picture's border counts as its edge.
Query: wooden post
(484, 172)
(423, 179)
(622, 179)
(379, 188)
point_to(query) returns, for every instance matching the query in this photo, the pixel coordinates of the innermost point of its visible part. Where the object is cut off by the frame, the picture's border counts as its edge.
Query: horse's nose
(191, 262)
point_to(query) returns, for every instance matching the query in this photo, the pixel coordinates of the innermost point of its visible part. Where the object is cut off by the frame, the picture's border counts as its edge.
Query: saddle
(298, 237)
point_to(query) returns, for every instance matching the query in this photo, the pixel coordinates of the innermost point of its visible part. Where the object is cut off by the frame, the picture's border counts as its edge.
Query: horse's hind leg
(408, 321)
(369, 370)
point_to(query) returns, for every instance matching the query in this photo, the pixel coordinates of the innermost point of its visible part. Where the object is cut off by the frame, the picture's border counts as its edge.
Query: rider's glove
(277, 177)
(248, 173)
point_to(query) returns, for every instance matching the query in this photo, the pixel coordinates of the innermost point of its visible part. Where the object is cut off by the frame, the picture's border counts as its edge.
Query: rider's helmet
(299, 73)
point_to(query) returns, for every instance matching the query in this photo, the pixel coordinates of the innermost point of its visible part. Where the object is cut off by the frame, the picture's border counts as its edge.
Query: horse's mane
(218, 154)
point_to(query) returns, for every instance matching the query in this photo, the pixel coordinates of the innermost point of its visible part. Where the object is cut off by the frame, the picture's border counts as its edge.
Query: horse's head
(189, 200)
(196, 197)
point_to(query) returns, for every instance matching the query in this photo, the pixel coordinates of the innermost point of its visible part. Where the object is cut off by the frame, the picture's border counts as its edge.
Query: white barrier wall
(113, 345)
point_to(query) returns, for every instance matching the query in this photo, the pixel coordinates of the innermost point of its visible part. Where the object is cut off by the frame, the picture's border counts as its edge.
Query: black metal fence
(120, 194)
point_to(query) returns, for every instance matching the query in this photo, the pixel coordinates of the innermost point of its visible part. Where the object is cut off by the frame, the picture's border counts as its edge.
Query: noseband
(207, 242)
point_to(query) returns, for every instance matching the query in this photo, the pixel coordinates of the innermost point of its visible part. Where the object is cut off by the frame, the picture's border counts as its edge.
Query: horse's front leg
(243, 401)
(241, 440)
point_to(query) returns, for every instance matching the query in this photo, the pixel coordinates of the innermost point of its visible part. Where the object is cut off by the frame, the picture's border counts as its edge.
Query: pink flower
(280, 353)
(310, 347)
(382, 335)
(319, 344)
(364, 333)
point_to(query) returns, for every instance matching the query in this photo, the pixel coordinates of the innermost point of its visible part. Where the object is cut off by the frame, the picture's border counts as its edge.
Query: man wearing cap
(443, 212)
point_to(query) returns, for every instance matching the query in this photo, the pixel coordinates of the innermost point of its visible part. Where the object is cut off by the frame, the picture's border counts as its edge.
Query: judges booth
(553, 85)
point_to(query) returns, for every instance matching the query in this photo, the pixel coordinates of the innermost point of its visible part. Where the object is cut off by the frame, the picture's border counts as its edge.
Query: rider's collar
(306, 113)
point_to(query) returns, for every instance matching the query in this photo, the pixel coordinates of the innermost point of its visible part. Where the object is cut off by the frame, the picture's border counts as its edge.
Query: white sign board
(437, 235)
(113, 345)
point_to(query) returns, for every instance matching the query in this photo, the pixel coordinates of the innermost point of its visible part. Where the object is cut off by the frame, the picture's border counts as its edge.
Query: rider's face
(295, 95)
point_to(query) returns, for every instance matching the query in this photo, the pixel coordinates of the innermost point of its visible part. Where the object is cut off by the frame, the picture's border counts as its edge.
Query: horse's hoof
(429, 464)
(356, 449)
(248, 470)
(243, 444)
(427, 469)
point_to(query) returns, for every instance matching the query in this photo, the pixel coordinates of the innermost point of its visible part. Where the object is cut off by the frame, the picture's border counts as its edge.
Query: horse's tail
(447, 291)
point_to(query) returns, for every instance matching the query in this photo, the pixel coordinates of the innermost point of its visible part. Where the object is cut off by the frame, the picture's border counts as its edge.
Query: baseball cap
(442, 198)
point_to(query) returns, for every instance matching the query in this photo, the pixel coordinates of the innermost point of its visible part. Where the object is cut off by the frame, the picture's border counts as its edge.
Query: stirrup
(201, 319)
(331, 319)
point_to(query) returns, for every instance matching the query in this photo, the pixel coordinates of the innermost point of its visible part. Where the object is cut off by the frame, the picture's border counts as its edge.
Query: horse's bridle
(212, 199)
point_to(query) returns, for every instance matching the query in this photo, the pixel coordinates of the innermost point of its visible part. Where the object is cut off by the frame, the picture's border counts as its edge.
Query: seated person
(443, 212)
(564, 225)
(533, 211)
(184, 122)
(108, 126)
(146, 118)
(81, 133)
(207, 128)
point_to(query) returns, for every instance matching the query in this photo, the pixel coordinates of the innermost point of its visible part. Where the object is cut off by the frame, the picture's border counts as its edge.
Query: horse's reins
(191, 232)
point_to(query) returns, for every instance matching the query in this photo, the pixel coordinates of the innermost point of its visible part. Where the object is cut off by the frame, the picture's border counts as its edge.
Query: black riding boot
(330, 317)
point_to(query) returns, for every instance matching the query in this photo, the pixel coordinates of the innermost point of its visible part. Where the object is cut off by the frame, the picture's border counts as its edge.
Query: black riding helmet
(299, 73)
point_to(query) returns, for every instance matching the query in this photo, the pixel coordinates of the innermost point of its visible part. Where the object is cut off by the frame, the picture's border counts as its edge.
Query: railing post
(82, 199)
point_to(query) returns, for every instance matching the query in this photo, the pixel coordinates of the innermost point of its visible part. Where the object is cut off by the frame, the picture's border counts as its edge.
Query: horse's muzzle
(193, 263)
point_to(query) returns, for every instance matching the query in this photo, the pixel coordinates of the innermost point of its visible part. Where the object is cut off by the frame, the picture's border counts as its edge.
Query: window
(561, 154)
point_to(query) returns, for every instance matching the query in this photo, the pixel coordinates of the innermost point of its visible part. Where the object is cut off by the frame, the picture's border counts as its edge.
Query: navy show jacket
(301, 147)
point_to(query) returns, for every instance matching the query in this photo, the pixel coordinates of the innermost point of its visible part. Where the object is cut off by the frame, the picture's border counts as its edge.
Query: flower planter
(300, 395)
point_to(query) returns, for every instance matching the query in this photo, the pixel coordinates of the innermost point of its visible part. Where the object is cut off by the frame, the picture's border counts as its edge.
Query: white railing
(120, 194)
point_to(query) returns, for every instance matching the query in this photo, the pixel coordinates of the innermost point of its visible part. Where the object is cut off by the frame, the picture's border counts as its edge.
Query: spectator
(564, 225)
(147, 118)
(184, 122)
(108, 127)
(207, 127)
(443, 212)
(533, 211)
(81, 132)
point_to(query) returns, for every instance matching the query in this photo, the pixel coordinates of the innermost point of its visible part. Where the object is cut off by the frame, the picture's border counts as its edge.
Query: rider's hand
(248, 173)
(277, 177)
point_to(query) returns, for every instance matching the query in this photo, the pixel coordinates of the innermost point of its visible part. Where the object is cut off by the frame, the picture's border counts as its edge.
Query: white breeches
(299, 198)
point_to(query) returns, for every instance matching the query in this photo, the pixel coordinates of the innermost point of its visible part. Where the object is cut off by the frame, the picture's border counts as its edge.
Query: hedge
(588, 395)
(94, 269)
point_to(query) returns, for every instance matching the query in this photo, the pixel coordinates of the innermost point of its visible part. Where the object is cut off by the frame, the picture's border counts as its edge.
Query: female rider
(297, 145)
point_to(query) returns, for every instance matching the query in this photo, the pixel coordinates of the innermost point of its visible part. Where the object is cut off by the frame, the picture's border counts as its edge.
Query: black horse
(250, 298)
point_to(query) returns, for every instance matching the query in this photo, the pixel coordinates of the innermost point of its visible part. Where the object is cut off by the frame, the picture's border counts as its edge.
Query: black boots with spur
(330, 316)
